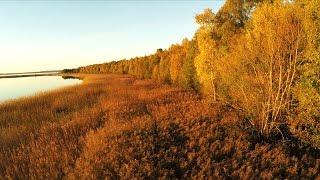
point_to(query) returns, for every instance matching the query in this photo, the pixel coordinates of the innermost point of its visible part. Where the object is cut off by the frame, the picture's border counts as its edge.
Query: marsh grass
(118, 127)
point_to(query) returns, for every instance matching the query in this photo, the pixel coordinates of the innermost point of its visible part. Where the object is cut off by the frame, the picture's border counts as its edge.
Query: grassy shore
(119, 127)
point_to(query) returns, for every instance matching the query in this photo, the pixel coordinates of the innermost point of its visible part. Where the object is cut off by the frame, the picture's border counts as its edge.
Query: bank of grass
(118, 127)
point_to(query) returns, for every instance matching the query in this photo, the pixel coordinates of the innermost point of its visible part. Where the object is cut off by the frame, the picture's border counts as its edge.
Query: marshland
(239, 99)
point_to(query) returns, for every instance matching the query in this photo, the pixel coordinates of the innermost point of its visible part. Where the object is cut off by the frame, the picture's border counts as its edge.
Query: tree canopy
(261, 56)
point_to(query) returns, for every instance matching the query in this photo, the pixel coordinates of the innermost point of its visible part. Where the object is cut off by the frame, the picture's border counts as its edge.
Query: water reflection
(69, 77)
(11, 88)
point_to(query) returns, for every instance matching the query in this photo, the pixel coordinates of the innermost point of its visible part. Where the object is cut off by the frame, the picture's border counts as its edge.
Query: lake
(11, 88)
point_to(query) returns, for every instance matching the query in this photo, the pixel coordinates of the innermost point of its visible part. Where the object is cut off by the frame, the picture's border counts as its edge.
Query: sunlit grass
(115, 126)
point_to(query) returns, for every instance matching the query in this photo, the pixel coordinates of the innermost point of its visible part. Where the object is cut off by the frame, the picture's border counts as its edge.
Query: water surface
(12, 88)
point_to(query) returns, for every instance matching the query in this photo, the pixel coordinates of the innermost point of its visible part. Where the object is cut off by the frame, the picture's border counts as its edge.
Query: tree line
(260, 56)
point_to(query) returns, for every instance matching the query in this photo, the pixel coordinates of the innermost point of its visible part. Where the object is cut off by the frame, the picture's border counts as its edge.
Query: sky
(52, 35)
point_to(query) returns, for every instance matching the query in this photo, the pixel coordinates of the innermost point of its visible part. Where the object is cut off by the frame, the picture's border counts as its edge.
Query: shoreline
(21, 75)
(88, 124)
(27, 75)
(80, 77)
(84, 78)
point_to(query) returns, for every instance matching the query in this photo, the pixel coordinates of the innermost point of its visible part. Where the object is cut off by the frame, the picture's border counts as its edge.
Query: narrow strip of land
(29, 74)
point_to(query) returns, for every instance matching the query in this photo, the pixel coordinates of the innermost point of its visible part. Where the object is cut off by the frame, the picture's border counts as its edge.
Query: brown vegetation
(116, 126)
(244, 102)
(261, 56)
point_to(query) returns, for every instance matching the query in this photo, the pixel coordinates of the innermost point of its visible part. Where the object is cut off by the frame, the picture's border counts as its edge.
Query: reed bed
(120, 127)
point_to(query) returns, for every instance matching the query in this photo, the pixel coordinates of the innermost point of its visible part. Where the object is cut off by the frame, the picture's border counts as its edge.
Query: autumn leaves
(261, 56)
(260, 65)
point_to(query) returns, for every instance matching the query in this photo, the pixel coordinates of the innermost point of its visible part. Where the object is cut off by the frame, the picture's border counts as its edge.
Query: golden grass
(118, 127)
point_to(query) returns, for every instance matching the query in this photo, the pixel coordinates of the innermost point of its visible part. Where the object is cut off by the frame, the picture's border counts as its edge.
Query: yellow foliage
(274, 44)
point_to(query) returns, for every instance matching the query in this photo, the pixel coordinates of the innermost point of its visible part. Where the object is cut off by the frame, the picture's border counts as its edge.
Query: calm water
(11, 88)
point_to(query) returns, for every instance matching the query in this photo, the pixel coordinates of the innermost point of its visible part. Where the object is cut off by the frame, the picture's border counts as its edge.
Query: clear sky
(49, 35)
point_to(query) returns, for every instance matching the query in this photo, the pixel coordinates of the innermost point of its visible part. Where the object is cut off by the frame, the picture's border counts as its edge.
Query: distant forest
(261, 57)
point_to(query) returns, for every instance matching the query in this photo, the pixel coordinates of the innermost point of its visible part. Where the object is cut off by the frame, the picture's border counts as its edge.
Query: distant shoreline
(32, 72)
(29, 74)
